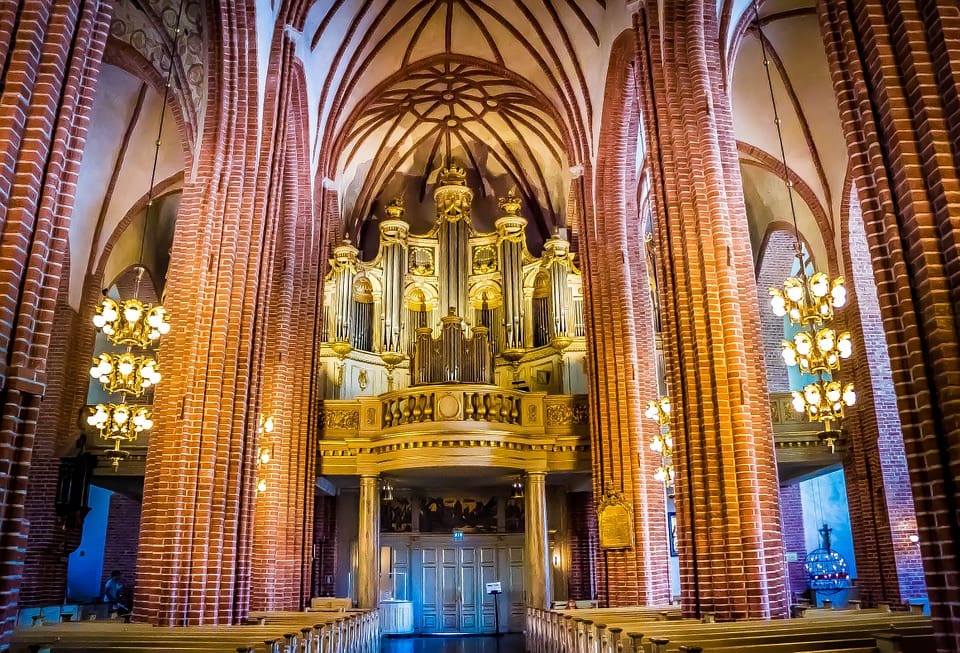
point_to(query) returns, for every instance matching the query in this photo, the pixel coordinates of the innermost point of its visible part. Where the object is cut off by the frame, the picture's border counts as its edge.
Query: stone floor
(453, 644)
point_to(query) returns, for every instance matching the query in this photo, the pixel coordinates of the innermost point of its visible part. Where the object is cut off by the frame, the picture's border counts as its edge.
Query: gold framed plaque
(615, 521)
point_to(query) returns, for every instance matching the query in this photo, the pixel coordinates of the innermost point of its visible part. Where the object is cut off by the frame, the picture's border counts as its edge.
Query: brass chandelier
(809, 300)
(131, 323)
(662, 442)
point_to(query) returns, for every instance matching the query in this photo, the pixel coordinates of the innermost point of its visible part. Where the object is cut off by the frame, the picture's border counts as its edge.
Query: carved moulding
(615, 521)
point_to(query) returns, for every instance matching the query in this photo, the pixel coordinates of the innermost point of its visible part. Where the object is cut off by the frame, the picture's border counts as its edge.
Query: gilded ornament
(615, 521)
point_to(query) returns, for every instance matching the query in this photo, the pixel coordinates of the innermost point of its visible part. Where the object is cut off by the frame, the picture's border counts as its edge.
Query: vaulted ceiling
(509, 89)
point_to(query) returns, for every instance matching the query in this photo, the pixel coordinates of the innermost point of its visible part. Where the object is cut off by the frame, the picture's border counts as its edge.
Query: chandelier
(134, 323)
(131, 321)
(809, 300)
(120, 423)
(826, 569)
(125, 373)
(662, 442)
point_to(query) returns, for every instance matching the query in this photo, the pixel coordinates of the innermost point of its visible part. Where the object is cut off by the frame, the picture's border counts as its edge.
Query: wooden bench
(314, 632)
(624, 630)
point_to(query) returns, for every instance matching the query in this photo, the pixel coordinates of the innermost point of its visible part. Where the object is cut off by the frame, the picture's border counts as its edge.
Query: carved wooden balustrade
(506, 424)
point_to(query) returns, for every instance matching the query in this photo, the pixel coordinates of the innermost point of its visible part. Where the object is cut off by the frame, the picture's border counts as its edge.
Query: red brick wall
(621, 351)
(50, 55)
(731, 551)
(52, 538)
(324, 546)
(120, 548)
(893, 66)
(791, 515)
(776, 262)
(881, 501)
(582, 539)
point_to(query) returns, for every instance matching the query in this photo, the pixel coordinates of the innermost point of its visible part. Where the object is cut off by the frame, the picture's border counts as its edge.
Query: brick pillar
(196, 539)
(886, 518)
(621, 350)
(582, 536)
(894, 72)
(52, 537)
(731, 552)
(282, 529)
(791, 515)
(50, 54)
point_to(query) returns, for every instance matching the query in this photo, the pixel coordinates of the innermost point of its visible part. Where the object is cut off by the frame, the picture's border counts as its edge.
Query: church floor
(453, 644)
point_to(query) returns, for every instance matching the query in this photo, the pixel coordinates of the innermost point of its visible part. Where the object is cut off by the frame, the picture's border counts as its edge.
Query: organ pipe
(510, 229)
(412, 300)
(393, 246)
(453, 198)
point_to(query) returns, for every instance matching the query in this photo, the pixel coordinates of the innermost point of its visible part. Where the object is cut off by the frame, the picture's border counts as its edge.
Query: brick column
(283, 523)
(195, 552)
(621, 350)
(894, 68)
(731, 552)
(50, 54)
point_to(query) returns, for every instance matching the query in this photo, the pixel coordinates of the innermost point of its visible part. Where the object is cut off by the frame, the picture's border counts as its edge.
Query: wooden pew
(623, 630)
(337, 632)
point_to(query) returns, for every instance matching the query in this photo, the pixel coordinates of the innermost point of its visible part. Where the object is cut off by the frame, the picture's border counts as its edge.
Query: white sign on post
(494, 588)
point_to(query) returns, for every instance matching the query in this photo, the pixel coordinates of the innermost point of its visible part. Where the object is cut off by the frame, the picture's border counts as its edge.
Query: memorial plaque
(615, 521)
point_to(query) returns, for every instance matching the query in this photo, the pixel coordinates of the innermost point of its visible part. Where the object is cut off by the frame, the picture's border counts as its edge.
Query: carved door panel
(428, 590)
(449, 590)
(489, 574)
(469, 592)
(514, 589)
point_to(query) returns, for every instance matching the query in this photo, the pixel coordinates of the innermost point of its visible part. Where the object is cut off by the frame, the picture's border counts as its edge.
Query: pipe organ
(454, 305)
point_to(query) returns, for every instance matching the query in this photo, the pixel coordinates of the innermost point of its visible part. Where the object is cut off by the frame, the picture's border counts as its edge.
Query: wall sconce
(556, 558)
(914, 538)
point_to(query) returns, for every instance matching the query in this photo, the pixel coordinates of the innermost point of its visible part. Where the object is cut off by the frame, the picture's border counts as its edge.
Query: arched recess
(875, 464)
(619, 319)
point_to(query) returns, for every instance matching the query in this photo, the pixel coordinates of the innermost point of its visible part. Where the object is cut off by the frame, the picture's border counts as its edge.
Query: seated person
(113, 593)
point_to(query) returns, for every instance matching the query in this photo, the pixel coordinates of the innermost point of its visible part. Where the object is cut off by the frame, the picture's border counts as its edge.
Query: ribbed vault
(509, 88)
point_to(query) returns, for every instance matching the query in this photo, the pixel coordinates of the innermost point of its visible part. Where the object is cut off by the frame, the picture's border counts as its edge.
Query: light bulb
(819, 287)
(268, 425)
(803, 343)
(99, 321)
(109, 313)
(778, 303)
(262, 485)
(833, 393)
(131, 314)
(789, 354)
(838, 293)
(812, 394)
(795, 293)
(164, 328)
(798, 402)
(845, 345)
(125, 367)
(849, 395)
(651, 411)
(265, 455)
(826, 339)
